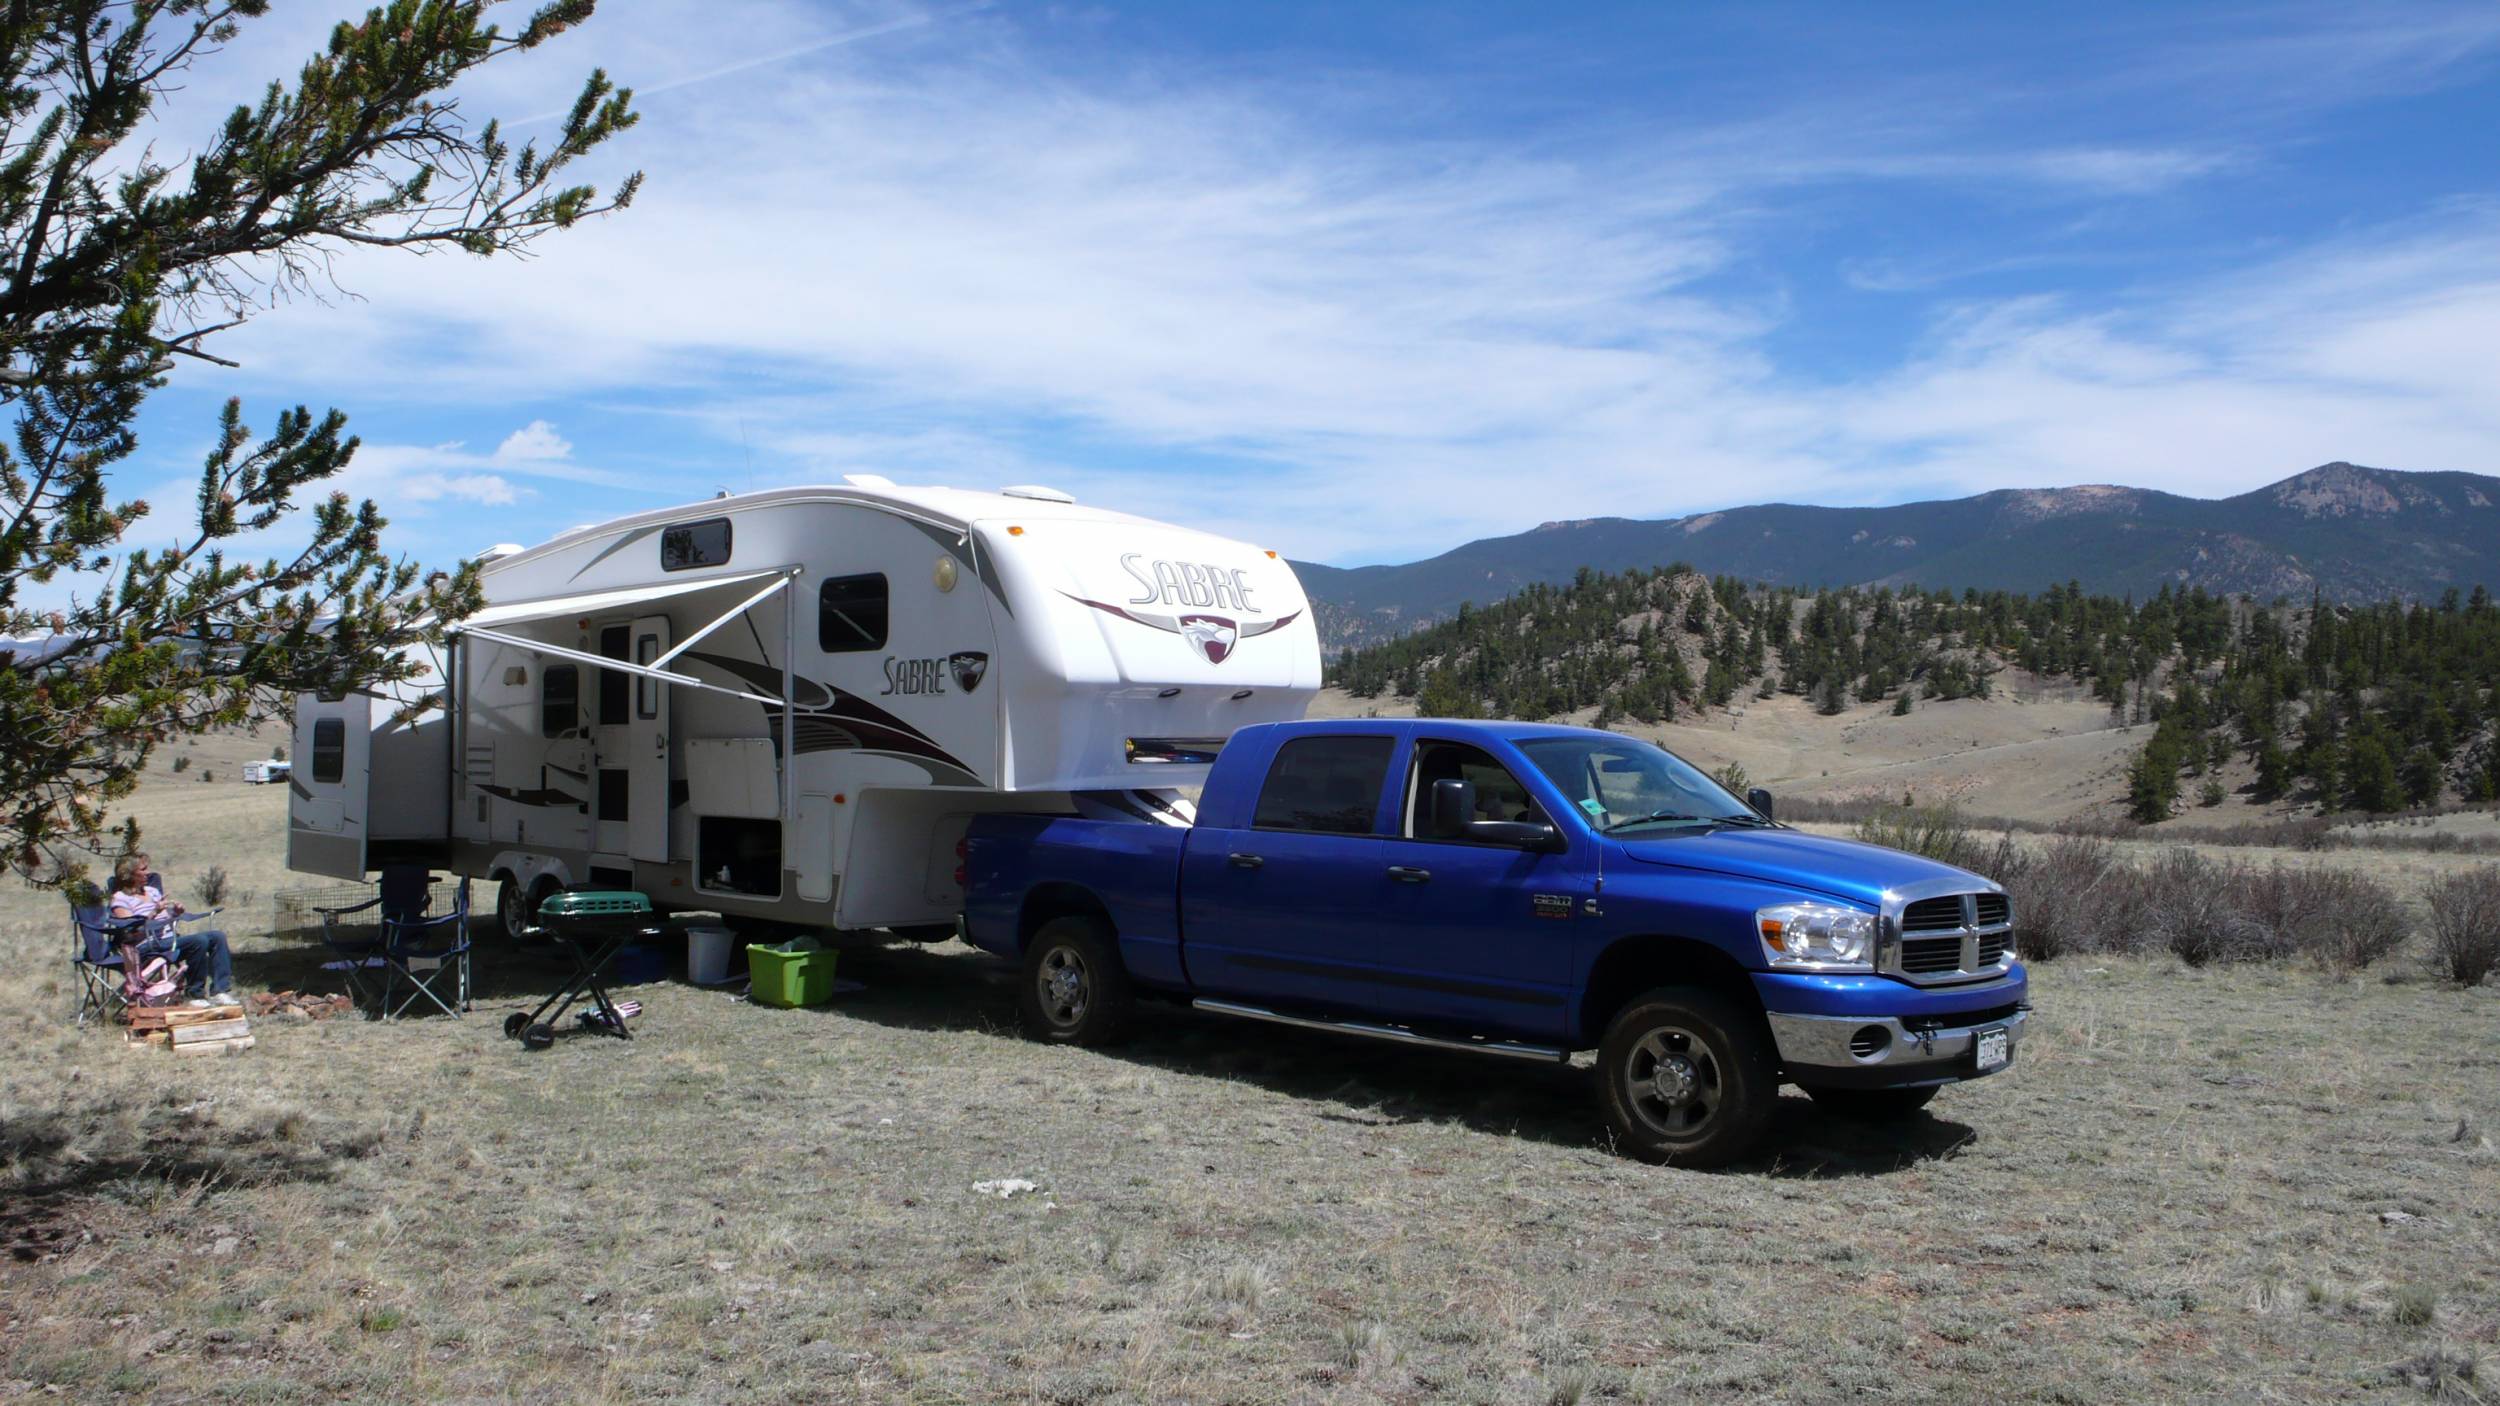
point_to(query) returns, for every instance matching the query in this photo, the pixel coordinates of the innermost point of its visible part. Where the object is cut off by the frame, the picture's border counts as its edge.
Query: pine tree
(122, 266)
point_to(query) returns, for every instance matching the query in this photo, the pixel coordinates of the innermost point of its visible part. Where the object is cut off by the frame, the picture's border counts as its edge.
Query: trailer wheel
(1871, 1105)
(513, 908)
(1686, 1078)
(1075, 991)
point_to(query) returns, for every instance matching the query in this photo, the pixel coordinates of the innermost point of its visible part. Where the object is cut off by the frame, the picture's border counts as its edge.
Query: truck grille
(1931, 956)
(1933, 915)
(1953, 936)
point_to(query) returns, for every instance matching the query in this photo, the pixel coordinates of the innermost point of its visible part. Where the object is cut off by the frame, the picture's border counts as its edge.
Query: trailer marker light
(1015, 531)
(1271, 556)
(839, 798)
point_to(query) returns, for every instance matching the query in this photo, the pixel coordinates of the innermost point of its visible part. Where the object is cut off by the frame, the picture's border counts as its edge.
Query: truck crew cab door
(1284, 912)
(1472, 935)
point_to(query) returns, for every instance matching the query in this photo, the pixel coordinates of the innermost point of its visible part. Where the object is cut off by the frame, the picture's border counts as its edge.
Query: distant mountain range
(2356, 533)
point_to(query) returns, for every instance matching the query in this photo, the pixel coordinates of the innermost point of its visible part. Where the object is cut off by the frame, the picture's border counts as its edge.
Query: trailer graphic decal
(1214, 636)
(830, 720)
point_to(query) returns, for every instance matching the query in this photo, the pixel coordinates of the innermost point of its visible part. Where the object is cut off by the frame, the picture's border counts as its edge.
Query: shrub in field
(2342, 919)
(2193, 908)
(2465, 924)
(2062, 894)
(213, 885)
(1938, 832)
(182, 763)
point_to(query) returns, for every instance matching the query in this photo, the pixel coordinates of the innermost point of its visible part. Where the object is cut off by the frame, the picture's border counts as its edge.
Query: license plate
(1990, 1049)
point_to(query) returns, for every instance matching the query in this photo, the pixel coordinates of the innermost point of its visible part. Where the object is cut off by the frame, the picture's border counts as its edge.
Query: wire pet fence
(296, 910)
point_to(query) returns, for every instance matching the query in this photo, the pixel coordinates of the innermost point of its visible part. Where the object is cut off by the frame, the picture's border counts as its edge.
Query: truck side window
(1326, 784)
(329, 750)
(1499, 796)
(559, 699)
(850, 614)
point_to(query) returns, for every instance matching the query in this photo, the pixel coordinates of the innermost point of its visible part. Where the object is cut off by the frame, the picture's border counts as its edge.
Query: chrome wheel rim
(508, 910)
(1674, 1082)
(1065, 986)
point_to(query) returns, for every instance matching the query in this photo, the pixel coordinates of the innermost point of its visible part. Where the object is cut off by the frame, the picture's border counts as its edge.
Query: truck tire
(1872, 1105)
(1074, 991)
(1686, 1078)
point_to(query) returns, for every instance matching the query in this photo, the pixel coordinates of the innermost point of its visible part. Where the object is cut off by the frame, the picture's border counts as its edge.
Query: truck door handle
(1246, 861)
(1408, 874)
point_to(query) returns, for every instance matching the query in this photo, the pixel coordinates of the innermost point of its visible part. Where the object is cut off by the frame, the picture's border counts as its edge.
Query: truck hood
(1794, 859)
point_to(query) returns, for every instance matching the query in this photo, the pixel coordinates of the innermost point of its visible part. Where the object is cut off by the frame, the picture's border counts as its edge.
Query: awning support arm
(780, 583)
(597, 661)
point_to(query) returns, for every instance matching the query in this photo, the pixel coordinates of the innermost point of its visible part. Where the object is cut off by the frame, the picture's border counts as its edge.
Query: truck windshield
(1623, 783)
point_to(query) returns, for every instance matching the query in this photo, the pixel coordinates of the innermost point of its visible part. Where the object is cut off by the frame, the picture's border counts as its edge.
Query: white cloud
(535, 442)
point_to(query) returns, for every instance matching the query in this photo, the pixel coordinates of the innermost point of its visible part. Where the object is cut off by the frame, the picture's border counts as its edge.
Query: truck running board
(1541, 1053)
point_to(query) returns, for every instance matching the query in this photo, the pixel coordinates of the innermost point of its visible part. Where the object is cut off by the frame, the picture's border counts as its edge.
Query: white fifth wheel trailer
(786, 705)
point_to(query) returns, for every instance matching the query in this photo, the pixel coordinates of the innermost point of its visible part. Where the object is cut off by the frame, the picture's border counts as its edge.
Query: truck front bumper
(1876, 1052)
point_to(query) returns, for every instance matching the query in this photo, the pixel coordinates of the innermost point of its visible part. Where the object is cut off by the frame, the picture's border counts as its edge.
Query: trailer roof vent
(499, 551)
(868, 480)
(1037, 493)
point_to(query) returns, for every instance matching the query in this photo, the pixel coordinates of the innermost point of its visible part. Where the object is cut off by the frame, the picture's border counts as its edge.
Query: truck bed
(1131, 868)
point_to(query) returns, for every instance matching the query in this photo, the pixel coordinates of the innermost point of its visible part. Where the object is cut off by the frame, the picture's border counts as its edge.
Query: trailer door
(646, 749)
(327, 795)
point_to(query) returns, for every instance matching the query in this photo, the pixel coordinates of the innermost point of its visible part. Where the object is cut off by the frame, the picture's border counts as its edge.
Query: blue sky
(1361, 283)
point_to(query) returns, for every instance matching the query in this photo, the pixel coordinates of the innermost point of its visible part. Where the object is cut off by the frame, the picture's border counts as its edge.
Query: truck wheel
(1685, 1078)
(1872, 1105)
(1075, 992)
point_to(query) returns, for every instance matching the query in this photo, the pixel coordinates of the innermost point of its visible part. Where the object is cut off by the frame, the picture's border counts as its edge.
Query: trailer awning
(608, 602)
(482, 626)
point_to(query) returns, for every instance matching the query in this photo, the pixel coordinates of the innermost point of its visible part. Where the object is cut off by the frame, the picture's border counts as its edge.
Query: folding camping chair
(96, 956)
(422, 952)
(363, 953)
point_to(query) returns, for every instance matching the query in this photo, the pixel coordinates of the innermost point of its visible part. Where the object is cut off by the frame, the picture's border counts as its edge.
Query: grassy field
(2245, 1184)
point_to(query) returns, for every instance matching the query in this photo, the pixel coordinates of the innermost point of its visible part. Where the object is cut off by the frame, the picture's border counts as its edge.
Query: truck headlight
(1821, 937)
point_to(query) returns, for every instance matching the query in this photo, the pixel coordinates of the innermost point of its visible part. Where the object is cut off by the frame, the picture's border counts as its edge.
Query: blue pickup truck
(1518, 890)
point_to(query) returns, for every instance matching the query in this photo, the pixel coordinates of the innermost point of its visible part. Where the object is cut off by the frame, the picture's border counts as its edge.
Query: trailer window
(559, 699)
(646, 691)
(694, 544)
(1325, 784)
(329, 750)
(614, 687)
(850, 614)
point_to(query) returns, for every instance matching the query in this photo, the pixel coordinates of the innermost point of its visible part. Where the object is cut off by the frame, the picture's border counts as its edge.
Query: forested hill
(2368, 707)
(2354, 534)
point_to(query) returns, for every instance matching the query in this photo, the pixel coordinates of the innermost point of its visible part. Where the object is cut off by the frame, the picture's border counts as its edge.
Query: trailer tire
(513, 908)
(1686, 1078)
(1074, 989)
(1871, 1105)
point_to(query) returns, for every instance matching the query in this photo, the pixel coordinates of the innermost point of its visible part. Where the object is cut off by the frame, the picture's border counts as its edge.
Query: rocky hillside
(2353, 533)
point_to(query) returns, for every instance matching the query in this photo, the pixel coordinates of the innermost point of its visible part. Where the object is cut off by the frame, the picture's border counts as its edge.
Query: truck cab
(1527, 891)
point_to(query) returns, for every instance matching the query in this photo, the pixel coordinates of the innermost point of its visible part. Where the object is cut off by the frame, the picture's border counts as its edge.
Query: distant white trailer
(263, 773)
(787, 705)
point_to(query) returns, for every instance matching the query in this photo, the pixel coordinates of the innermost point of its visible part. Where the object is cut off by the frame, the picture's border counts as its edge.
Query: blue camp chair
(424, 955)
(96, 957)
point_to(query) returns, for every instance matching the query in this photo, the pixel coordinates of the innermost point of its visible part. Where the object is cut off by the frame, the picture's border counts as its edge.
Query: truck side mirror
(1453, 808)
(1760, 800)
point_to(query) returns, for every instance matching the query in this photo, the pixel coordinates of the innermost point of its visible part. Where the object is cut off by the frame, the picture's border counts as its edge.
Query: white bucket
(707, 955)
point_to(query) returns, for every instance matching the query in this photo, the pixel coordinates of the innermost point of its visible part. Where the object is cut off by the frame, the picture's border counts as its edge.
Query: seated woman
(208, 961)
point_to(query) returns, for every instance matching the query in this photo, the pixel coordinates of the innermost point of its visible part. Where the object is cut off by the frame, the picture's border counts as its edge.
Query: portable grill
(593, 926)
